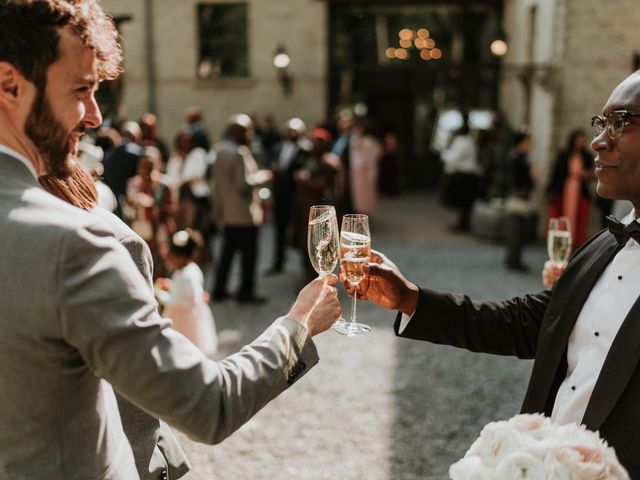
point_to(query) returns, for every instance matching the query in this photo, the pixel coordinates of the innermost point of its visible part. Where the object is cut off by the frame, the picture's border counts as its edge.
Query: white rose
(526, 422)
(497, 440)
(470, 468)
(521, 466)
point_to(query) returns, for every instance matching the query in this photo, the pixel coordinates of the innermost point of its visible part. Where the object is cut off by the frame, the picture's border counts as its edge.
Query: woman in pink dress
(568, 191)
(366, 151)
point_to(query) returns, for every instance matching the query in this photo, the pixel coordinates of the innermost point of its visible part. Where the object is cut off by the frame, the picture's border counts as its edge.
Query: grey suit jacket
(155, 448)
(76, 318)
(236, 202)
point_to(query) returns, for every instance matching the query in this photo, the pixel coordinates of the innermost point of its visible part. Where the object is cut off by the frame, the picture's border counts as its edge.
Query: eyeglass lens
(614, 123)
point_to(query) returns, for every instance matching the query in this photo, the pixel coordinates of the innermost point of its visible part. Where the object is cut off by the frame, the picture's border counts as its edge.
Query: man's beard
(54, 143)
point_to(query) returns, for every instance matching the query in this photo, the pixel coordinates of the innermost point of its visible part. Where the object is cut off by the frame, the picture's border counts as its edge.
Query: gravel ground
(377, 407)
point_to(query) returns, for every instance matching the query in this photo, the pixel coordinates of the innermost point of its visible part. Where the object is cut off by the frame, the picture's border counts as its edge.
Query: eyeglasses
(613, 122)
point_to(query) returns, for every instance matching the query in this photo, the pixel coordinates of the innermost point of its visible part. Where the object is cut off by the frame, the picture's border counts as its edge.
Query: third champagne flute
(355, 251)
(559, 240)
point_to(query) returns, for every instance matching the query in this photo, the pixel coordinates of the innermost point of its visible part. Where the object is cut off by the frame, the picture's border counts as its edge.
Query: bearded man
(76, 317)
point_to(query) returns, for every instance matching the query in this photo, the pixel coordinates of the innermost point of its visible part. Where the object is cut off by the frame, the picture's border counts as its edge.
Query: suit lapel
(570, 294)
(619, 366)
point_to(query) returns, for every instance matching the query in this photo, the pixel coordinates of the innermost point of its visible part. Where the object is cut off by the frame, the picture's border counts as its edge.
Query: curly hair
(29, 35)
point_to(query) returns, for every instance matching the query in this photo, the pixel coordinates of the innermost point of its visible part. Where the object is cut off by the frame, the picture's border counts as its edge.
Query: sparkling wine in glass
(559, 240)
(322, 241)
(355, 252)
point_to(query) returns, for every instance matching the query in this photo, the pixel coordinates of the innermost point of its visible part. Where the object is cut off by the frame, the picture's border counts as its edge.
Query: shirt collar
(631, 217)
(21, 158)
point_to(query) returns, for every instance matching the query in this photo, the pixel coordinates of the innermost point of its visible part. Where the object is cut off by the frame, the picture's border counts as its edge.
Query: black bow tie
(622, 233)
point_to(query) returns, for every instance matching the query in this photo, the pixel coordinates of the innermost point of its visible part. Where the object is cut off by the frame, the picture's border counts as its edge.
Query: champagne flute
(355, 251)
(559, 240)
(322, 240)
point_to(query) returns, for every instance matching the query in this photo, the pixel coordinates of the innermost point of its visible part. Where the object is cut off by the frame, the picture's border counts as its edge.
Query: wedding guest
(289, 156)
(568, 190)
(237, 208)
(76, 317)
(583, 334)
(485, 143)
(315, 183)
(90, 157)
(155, 447)
(518, 208)
(150, 201)
(183, 297)
(195, 126)
(462, 170)
(187, 175)
(149, 126)
(341, 157)
(388, 175)
(121, 163)
(270, 136)
(364, 158)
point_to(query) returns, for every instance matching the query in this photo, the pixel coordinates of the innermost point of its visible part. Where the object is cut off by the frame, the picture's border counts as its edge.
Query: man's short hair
(29, 35)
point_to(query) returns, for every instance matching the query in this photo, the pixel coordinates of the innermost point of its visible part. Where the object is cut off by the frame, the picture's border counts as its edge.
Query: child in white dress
(184, 298)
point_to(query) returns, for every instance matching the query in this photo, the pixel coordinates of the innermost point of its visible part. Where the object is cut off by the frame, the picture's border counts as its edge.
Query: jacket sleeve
(141, 256)
(510, 327)
(106, 311)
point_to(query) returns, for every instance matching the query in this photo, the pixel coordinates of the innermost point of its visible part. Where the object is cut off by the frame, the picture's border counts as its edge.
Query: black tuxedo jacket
(538, 326)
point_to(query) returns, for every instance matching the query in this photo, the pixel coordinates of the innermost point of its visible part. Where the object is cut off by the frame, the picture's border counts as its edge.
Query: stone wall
(601, 38)
(300, 26)
(589, 47)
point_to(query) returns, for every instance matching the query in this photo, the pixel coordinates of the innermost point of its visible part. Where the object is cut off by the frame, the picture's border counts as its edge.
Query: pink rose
(583, 462)
(528, 422)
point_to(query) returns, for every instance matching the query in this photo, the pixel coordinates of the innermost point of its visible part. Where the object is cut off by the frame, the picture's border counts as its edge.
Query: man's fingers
(376, 269)
(331, 279)
(377, 257)
(332, 290)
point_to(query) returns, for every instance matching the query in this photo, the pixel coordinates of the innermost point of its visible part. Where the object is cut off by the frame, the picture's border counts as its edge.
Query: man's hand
(317, 306)
(385, 286)
(552, 272)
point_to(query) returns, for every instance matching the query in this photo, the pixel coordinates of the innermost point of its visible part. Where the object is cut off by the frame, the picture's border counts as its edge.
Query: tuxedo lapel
(618, 367)
(571, 293)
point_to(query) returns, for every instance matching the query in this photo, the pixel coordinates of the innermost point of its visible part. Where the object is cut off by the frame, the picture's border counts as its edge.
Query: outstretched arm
(509, 327)
(108, 315)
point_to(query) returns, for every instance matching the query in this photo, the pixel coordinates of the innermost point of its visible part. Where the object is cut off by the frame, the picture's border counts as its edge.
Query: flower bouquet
(531, 447)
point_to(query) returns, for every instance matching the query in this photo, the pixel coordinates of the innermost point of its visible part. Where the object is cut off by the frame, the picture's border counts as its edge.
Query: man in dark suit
(288, 157)
(121, 163)
(584, 333)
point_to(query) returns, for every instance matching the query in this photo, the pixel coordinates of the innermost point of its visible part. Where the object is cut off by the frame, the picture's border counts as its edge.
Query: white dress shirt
(191, 170)
(461, 156)
(21, 158)
(607, 306)
(287, 152)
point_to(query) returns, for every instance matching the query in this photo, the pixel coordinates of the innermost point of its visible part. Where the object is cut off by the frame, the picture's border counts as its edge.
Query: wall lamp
(281, 62)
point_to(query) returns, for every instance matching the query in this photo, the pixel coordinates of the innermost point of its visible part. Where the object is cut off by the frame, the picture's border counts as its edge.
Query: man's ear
(11, 84)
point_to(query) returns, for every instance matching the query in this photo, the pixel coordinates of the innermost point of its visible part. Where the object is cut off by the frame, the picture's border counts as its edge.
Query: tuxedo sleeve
(107, 313)
(509, 327)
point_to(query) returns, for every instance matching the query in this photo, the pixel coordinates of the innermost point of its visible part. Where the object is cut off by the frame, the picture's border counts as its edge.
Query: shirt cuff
(404, 321)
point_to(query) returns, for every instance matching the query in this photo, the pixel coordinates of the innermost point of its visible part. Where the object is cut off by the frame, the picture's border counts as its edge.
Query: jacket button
(163, 475)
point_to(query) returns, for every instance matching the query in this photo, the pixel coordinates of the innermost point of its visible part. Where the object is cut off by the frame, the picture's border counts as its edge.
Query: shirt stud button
(619, 277)
(597, 334)
(573, 388)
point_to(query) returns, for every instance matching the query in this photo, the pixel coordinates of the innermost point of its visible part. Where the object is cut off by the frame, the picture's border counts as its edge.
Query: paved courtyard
(377, 407)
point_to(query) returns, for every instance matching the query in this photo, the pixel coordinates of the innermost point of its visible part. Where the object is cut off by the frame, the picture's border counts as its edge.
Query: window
(222, 35)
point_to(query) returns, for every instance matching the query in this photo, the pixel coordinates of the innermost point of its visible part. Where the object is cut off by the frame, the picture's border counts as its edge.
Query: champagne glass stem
(353, 308)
